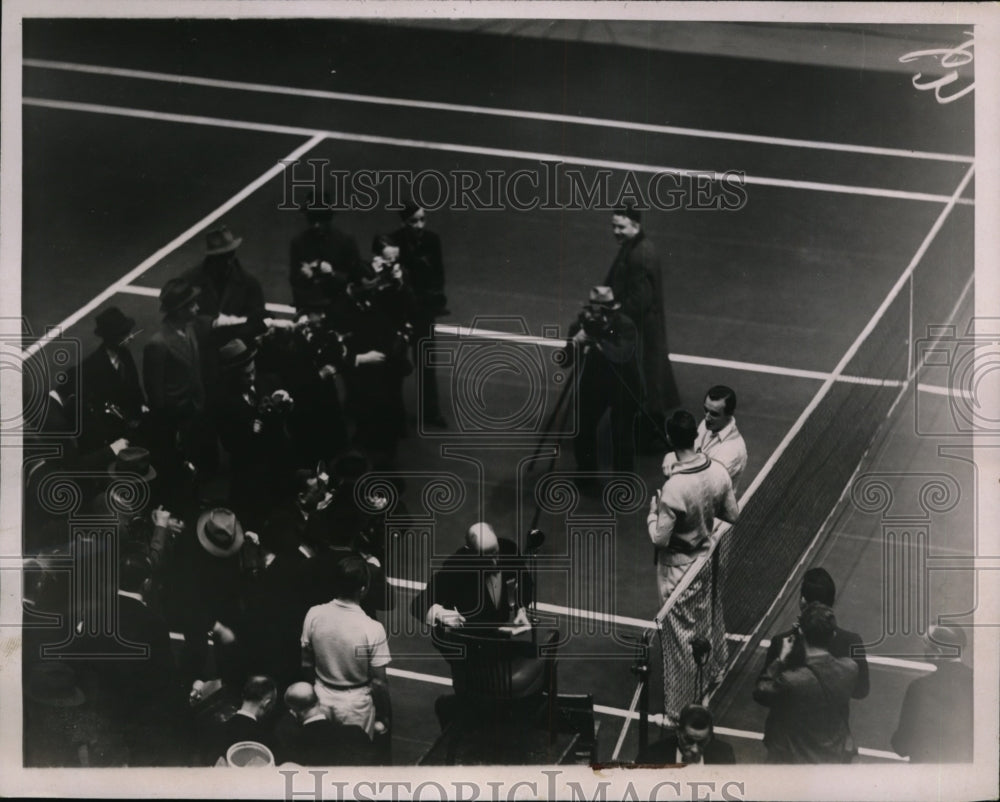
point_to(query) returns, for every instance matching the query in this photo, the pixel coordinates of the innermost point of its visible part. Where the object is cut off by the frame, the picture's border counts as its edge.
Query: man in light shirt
(718, 436)
(346, 652)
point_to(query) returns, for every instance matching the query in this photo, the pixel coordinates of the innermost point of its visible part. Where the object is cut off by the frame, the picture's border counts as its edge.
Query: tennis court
(811, 300)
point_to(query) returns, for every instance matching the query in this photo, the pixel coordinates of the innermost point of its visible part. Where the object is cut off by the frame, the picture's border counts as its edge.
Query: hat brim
(606, 304)
(242, 360)
(232, 246)
(209, 546)
(116, 334)
(148, 476)
(193, 293)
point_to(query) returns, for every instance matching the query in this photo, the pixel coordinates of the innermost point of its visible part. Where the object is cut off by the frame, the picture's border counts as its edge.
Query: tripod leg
(553, 417)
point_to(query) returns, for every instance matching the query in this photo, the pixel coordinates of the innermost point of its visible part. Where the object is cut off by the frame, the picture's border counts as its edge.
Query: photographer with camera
(603, 342)
(253, 428)
(113, 404)
(375, 318)
(808, 702)
(323, 259)
(306, 355)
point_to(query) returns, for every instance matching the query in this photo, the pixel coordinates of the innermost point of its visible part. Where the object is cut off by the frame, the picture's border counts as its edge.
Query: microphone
(512, 597)
(535, 539)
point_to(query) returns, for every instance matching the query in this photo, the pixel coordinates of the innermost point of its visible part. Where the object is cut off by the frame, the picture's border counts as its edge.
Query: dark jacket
(173, 368)
(806, 722)
(635, 278)
(322, 243)
(322, 743)
(843, 644)
(220, 736)
(460, 584)
(142, 688)
(936, 720)
(664, 752)
(420, 255)
(100, 383)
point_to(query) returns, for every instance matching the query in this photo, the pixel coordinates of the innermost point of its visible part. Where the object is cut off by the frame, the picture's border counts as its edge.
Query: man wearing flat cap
(605, 340)
(636, 280)
(113, 401)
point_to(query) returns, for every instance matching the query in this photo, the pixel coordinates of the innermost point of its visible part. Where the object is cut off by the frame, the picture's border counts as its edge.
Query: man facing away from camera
(682, 513)
(347, 653)
(807, 721)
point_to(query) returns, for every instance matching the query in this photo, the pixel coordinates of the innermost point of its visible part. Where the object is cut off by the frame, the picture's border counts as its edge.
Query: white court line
(722, 528)
(179, 240)
(639, 623)
(520, 114)
(655, 719)
(550, 342)
(893, 293)
(345, 136)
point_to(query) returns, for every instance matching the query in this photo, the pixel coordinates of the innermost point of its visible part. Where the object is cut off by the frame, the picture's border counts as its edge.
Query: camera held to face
(595, 321)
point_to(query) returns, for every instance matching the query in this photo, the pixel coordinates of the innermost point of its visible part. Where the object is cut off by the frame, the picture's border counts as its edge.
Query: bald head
(301, 697)
(481, 539)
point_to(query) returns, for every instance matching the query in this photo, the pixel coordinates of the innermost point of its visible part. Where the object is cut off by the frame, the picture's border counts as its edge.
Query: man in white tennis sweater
(682, 513)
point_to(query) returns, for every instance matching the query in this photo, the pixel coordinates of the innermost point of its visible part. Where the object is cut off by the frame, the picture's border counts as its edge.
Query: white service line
(550, 342)
(449, 147)
(640, 623)
(520, 114)
(859, 340)
(855, 346)
(180, 239)
(655, 719)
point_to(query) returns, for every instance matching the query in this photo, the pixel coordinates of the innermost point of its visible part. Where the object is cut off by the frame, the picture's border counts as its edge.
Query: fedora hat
(603, 296)
(235, 354)
(176, 294)
(54, 684)
(112, 324)
(219, 532)
(221, 240)
(133, 460)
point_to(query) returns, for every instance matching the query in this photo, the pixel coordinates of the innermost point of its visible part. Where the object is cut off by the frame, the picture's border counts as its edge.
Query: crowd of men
(228, 465)
(276, 586)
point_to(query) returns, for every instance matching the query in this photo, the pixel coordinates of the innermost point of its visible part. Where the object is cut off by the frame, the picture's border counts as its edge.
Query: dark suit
(321, 743)
(665, 752)
(420, 256)
(609, 378)
(220, 736)
(101, 383)
(235, 293)
(936, 720)
(260, 456)
(143, 696)
(636, 280)
(322, 243)
(844, 643)
(375, 391)
(174, 370)
(460, 584)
